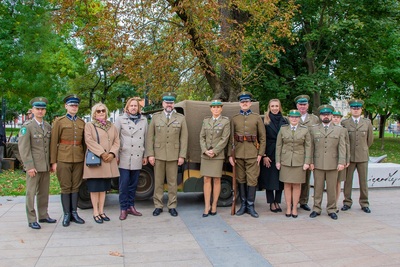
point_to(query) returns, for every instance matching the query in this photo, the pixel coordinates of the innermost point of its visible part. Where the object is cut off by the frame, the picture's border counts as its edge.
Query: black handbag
(93, 160)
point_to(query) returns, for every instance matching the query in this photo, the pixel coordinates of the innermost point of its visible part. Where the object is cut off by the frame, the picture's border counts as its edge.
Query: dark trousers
(273, 198)
(128, 181)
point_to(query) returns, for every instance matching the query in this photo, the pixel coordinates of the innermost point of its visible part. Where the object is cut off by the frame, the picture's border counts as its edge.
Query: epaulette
(225, 117)
(303, 126)
(59, 118)
(366, 119)
(338, 125)
(78, 118)
(285, 125)
(315, 125)
(27, 122)
(255, 113)
(207, 117)
(179, 114)
(237, 114)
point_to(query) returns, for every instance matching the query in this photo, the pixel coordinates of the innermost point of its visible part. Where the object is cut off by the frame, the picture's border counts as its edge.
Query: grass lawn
(391, 148)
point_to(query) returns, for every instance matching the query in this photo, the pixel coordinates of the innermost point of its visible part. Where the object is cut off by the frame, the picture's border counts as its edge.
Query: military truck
(189, 178)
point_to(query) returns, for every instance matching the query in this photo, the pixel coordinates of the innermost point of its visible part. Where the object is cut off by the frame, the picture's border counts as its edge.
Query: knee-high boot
(66, 204)
(74, 208)
(251, 196)
(242, 195)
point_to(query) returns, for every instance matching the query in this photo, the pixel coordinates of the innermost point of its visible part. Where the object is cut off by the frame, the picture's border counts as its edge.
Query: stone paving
(355, 239)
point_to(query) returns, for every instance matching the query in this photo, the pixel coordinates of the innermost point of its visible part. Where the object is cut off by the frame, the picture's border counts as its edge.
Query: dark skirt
(269, 177)
(98, 184)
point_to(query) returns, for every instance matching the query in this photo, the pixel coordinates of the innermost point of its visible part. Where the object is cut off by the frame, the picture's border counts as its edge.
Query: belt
(69, 142)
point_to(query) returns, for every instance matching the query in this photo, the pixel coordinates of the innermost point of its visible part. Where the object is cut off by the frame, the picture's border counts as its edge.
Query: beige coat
(293, 150)
(361, 138)
(216, 135)
(132, 138)
(109, 142)
(167, 140)
(328, 149)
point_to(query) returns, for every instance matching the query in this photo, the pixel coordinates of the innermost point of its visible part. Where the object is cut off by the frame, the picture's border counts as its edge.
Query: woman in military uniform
(214, 137)
(293, 156)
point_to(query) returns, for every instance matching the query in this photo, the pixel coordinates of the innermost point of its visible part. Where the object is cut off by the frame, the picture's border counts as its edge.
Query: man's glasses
(100, 111)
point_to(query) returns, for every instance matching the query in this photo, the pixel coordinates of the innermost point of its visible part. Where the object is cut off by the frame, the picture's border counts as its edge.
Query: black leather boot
(251, 196)
(242, 195)
(74, 207)
(66, 204)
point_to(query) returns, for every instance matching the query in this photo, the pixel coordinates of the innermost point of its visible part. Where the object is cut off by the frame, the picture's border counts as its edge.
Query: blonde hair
(267, 120)
(135, 98)
(95, 107)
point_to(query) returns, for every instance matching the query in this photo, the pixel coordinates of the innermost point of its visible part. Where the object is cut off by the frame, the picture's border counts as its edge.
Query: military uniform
(166, 141)
(68, 152)
(34, 148)
(361, 138)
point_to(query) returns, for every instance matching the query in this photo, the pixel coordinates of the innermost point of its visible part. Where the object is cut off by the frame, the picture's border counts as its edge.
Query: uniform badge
(22, 132)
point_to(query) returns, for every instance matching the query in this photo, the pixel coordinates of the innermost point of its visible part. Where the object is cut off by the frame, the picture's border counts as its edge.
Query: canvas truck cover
(195, 112)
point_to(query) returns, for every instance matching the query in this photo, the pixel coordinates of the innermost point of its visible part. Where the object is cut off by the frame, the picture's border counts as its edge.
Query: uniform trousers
(37, 186)
(164, 169)
(69, 176)
(247, 171)
(320, 176)
(305, 189)
(362, 169)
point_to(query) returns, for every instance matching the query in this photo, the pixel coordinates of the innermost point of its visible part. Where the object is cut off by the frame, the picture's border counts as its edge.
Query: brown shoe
(133, 211)
(123, 215)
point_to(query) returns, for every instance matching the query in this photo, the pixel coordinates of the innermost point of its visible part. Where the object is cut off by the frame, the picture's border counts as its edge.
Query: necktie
(356, 122)
(168, 115)
(293, 129)
(41, 126)
(326, 129)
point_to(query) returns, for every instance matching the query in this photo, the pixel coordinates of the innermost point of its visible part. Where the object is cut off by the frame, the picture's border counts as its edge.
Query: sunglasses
(100, 111)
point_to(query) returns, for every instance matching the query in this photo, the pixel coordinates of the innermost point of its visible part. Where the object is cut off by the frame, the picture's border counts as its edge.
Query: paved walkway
(355, 239)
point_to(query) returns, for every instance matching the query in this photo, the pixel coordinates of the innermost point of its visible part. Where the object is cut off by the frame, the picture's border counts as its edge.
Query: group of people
(276, 154)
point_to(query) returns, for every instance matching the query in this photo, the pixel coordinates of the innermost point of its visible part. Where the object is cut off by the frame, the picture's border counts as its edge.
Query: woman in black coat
(269, 174)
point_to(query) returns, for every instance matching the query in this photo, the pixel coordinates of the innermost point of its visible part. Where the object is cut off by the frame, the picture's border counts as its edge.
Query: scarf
(134, 117)
(276, 119)
(105, 125)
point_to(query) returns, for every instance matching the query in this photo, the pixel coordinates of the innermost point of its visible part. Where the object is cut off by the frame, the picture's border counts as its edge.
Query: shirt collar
(70, 117)
(245, 113)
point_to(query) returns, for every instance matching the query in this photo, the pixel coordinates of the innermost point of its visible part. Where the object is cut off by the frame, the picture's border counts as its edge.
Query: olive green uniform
(167, 142)
(361, 138)
(34, 148)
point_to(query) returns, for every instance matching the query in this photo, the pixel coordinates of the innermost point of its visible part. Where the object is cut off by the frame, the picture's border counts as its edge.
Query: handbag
(93, 160)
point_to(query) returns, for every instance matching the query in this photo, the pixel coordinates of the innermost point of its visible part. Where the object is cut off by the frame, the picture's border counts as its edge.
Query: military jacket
(34, 146)
(328, 148)
(167, 140)
(247, 125)
(293, 149)
(361, 138)
(67, 140)
(215, 135)
(310, 120)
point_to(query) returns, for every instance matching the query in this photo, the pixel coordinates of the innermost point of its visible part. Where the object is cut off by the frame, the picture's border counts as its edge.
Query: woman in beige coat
(106, 146)
(293, 156)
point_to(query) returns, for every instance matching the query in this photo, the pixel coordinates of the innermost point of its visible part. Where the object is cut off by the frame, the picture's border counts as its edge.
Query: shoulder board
(365, 119)
(255, 113)
(157, 113)
(224, 117)
(346, 119)
(81, 119)
(179, 114)
(237, 114)
(27, 122)
(338, 126)
(315, 125)
(207, 117)
(59, 118)
(303, 126)
(285, 125)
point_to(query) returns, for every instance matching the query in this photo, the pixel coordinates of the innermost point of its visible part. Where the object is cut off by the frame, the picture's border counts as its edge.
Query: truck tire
(145, 188)
(84, 201)
(225, 197)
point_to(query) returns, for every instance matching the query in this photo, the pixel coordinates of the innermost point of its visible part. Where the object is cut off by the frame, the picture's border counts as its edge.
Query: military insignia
(22, 132)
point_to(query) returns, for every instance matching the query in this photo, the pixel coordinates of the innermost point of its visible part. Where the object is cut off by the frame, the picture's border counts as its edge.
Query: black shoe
(295, 216)
(345, 207)
(332, 215)
(98, 219)
(173, 212)
(213, 213)
(34, 225)
(157, 211)
(75, 218)
(288, 215)
(205, 215)
(305, 207)
(104, 217)
(314, 214)
(48, 220)
(366, 209)
(273, 210)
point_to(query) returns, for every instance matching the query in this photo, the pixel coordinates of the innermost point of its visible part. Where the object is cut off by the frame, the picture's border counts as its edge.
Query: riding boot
(66, 204)
(74, 207)
(242, 195)
(251, 196)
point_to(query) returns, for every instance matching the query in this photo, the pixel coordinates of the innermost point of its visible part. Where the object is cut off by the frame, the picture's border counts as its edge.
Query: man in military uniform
(329, 157)
(166, 147)
(34, 144)
(249, 139)
(361, 138)
(67, 157)
(302, 104)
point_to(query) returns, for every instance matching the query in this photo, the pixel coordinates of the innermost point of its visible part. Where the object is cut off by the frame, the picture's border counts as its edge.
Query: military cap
(337, 113)
(39, 102)
(216, 102)
(356, 103)
(302, 99)
(294, 113)
(72, 100)
(244, 96)
(325, 109)
(169, 97)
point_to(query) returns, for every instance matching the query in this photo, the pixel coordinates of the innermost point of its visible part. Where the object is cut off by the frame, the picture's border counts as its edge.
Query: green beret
(39, 102)
(325, 109)
(356, 103)
(216, 102)
(337, 113)
(302, 99)
(245, 96)
(294, 113)
(169, 97)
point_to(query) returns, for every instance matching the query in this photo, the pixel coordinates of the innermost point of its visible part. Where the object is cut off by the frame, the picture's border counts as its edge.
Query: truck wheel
(84, 201)
(145, 188)
(225, 197)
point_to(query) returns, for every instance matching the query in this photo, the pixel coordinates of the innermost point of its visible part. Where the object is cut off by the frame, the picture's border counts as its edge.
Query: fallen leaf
(116, 254)
(22, 241)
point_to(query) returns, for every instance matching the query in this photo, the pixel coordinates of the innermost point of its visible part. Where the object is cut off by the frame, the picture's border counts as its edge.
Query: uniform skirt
(295, 175)
(342, 176)
(211, 167)
(98, 184)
